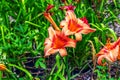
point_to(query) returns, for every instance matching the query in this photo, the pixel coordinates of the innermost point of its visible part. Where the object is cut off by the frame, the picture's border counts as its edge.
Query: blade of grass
(101, 5)
(2, 32)
(24, 70)
(28, 22)
(115, 3)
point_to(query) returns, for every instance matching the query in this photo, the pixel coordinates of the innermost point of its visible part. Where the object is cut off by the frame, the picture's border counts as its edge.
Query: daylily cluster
(110, 52)
(59, 38)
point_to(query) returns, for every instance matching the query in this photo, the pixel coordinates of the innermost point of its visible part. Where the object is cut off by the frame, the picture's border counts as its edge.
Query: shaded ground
(83, 73)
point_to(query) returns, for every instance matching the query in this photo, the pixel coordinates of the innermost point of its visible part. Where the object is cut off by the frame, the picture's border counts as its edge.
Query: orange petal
(47, 41)
(115, 43)
(78, 36)
(100, 58)
(70, 15)
(102, 51)
(63, 52)
(66, 31)
(50, 51)
(47, 45)
(2, 67)
(109, 58)
(115, 53)
(73, 26)
(88, 30)
(51, 32)
(63, 23)
(119, 53)
(46, 50)
(71, 43)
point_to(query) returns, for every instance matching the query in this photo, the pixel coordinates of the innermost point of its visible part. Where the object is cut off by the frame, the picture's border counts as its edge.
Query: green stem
(93, 57)
(2, 32)
(24, 70)
(40, 14)
(67, 66)
(0, 75)
(50, 78)
(28, 22)
(12, 74)
(23, 7)
(109, 68)
(67, 69)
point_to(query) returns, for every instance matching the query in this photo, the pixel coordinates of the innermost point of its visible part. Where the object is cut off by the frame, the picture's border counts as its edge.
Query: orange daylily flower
(110, 52)
(57, 42)
(2, 67)
(73, 25)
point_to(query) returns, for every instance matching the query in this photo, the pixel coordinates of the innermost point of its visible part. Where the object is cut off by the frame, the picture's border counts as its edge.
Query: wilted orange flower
(2, 67)
(47, 15)
(109, 52)
(49, 18)
(57, 42)
(73, 25)
(49, 7)
(70, 7)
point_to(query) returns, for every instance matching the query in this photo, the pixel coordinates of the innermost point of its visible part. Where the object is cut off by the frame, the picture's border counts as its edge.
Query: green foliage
(40, 63)
(102, 73)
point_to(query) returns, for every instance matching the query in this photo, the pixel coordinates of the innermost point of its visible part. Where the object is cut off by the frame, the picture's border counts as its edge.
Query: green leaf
(43, 65)
(97, 44)
(113, 34)
(40, 62)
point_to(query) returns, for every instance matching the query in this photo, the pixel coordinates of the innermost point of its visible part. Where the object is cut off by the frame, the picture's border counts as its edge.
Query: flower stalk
(109, 68)
(49, 18)
(93, 58)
